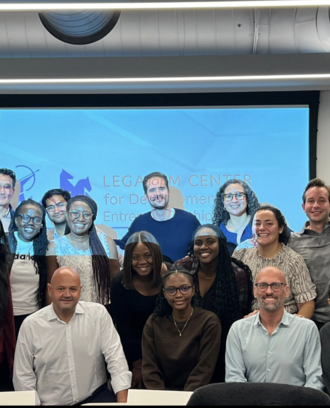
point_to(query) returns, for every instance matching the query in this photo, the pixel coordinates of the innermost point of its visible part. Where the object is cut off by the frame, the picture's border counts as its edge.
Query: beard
(160, 206)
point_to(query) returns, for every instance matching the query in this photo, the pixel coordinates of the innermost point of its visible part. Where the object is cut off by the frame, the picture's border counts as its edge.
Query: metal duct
(79, 27)
(175, 33)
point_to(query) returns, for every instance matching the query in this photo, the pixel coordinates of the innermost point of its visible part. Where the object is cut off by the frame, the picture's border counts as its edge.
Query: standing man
(173, 228)
(54, 201)
(62, 349)
(313, 243)
(7, 190)
(274, 345)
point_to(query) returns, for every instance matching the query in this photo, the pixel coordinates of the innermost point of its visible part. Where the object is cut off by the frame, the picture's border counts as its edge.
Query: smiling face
(206, 245)
(78, 224)
(179, 301)
(267, 229)
(64, 290)
(56, 209)
(271, 300)
(316, 205)
(142, 262)
(6, 189)
(235, 206)
(28, 230)
(157, 194)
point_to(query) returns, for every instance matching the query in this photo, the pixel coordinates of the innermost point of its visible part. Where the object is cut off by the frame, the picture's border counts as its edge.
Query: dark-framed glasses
(76, 214)
(61, 207)
(275, 286)
(230, 196)
(171, 290)
(26, 218)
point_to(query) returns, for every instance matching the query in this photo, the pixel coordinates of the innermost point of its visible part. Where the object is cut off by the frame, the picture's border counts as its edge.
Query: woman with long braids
(28, 244)
(234, 206)
(180, 342)
(94, 256)
(223, 284)
(7, 327)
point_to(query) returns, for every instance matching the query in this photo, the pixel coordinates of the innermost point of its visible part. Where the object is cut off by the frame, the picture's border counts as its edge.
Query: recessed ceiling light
(36, 6)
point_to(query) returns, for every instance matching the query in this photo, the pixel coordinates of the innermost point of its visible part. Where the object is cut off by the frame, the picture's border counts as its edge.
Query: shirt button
(268, 370)
(268, 352)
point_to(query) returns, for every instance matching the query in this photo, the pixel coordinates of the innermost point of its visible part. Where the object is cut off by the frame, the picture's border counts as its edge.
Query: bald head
(64, 291)
(63, 272)
(270, 272)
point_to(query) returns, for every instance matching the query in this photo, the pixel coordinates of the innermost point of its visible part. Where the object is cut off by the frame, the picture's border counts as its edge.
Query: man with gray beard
(274, 345)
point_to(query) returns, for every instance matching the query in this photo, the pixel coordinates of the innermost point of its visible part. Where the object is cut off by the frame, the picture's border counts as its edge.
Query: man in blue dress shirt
(273, 345)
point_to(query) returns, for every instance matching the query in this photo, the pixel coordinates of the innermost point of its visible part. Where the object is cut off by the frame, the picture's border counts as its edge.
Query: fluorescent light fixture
(163, 79)
(39, 6)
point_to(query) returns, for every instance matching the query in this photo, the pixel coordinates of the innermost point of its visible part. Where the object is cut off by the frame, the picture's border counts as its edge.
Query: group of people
(241, 299)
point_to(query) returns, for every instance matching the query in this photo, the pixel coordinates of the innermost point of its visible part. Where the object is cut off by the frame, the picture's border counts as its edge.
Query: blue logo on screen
(78, 189)
(27, 181)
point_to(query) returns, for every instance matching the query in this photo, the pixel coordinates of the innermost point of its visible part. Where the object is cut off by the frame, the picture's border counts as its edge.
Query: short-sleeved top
(173, 235)
(302, 289)
(81, 261)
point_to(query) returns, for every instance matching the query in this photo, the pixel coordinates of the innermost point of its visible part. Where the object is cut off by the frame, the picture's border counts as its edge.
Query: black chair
(237, 394)
(325, 355)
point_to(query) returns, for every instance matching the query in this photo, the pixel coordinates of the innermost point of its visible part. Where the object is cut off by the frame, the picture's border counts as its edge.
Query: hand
(137, 381)
(251, 314)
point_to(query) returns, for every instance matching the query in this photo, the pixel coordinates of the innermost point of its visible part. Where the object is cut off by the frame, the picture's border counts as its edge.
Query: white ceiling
(173, 43)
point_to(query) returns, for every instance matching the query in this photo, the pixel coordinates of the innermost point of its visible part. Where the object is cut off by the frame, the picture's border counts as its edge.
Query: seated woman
(180, 343)
(7, 327)
(234, 207)
(94, 256)
(28, 244)
(134, 291)
(223, 285)
(272, 235)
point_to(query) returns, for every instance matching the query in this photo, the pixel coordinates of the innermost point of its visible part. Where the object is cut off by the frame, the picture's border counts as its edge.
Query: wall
(323, 138)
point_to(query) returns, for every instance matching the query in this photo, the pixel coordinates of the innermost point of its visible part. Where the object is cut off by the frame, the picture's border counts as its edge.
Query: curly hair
(220, 214)
(40, 244)
(100, 260)
(157, 258)
(284, 237)
(162, 307)
(4, 283)
(225, 298)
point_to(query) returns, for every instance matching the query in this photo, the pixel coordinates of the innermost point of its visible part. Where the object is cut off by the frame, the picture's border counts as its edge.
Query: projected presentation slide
(105, 154)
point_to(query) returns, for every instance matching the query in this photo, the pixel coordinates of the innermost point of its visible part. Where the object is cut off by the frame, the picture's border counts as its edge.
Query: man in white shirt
(274, 345)
(62, 349)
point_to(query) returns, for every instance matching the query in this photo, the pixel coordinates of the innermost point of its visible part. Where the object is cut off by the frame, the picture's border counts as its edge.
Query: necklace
(206, 277)
(180, 331)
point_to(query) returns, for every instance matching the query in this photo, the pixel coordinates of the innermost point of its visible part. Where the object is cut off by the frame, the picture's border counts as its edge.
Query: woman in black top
(134, 291)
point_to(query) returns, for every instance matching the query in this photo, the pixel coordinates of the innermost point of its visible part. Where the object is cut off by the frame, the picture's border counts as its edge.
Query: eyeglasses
(26, 218)
(263, 286)
(171, 290)
(61, 206)
(238, 196)
(76, 214)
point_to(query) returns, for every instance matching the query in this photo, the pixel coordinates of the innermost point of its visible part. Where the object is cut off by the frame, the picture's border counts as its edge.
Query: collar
(8, 213)
(52, 315)
(285, 321)
(305, 228)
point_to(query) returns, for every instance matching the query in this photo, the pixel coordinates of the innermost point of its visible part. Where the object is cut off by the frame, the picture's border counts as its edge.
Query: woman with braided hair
(180, 342)
(223, 285)
(27, 262)
(94, 256)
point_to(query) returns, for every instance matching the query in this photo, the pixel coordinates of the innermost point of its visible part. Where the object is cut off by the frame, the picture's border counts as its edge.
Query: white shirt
(63, 362)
